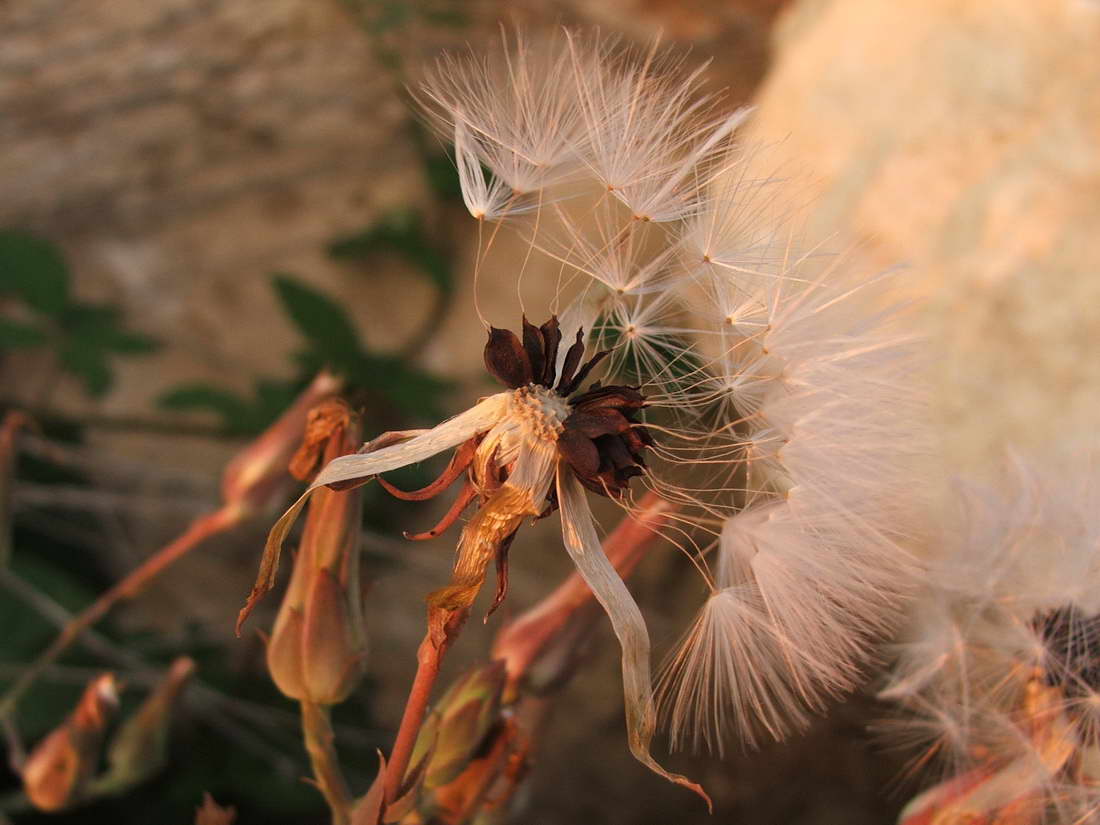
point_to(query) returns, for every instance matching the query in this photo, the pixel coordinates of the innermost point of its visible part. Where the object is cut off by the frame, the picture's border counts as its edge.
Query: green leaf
(18, 335)
(411, 390)
(321, 320)
(205, 397)
(100, 326)
(399, 231)
(442, 176)
(239, 415)
(33, 269)
(89, 364)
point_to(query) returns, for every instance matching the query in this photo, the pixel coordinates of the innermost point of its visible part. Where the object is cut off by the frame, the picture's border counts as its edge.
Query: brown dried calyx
(601, 441)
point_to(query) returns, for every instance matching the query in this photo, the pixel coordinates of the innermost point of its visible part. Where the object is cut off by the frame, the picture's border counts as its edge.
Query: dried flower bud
(140, 747)
(57, 771)
(257, 474)
(318, 646)
(211, 813)
(480, 794)
(458, 724)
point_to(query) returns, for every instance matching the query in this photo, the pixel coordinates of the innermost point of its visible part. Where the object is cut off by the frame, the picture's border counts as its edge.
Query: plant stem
(429, 657)
(200, 529)
(317, 731)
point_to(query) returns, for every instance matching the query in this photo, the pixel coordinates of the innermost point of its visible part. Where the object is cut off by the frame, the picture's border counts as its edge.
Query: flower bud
(58, 770)
(211, 813)
(458, 724)
(257, 474)
(318, 646)
(140, 747)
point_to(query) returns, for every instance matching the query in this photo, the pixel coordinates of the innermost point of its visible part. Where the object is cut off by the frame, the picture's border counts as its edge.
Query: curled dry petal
(465, 496)
(583, 545)
(462, 458)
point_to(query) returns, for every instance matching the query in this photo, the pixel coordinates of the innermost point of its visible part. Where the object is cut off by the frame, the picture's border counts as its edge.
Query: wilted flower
(705, 357)
(1000, 678)
(317, 649)
(58, 770)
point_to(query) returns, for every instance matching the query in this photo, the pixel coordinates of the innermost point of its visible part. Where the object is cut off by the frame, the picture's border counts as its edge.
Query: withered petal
(580, 452)
(502, 574)
(551, 340)
(532, 345)
(506, 359)
(461, 459)
(572, 360)
(466, 495)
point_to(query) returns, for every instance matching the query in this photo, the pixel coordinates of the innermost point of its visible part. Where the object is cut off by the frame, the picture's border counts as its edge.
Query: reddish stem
(442, 630)
(200, 530)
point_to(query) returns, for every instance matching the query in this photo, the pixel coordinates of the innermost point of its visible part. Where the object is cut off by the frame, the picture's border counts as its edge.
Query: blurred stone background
(182, 151)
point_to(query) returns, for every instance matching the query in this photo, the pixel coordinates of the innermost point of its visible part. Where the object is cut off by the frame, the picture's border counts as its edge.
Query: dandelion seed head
(697, 348)
(1016, 581)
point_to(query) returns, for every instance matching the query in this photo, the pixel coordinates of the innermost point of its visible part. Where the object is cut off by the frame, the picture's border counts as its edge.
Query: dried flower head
(766, 392)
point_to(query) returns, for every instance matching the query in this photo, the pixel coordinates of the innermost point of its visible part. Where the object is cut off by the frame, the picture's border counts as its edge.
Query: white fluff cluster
(782, 388)
(1001, 674)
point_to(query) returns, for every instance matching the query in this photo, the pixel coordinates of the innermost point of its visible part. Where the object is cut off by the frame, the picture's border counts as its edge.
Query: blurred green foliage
(238, 738)
(41, 312)
(400, 231)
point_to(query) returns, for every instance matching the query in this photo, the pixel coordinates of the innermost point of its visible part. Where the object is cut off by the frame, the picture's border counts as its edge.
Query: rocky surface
(961, 139)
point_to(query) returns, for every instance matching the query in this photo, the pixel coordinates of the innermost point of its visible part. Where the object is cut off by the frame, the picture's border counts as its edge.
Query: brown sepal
(598, 422)
(506, 359)
(614, 396)
(551, 340)
(572, 361)
(580, 452)
(572, 386)
(532, 345)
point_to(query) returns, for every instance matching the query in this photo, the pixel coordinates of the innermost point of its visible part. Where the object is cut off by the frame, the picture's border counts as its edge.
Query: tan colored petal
(583, 545)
